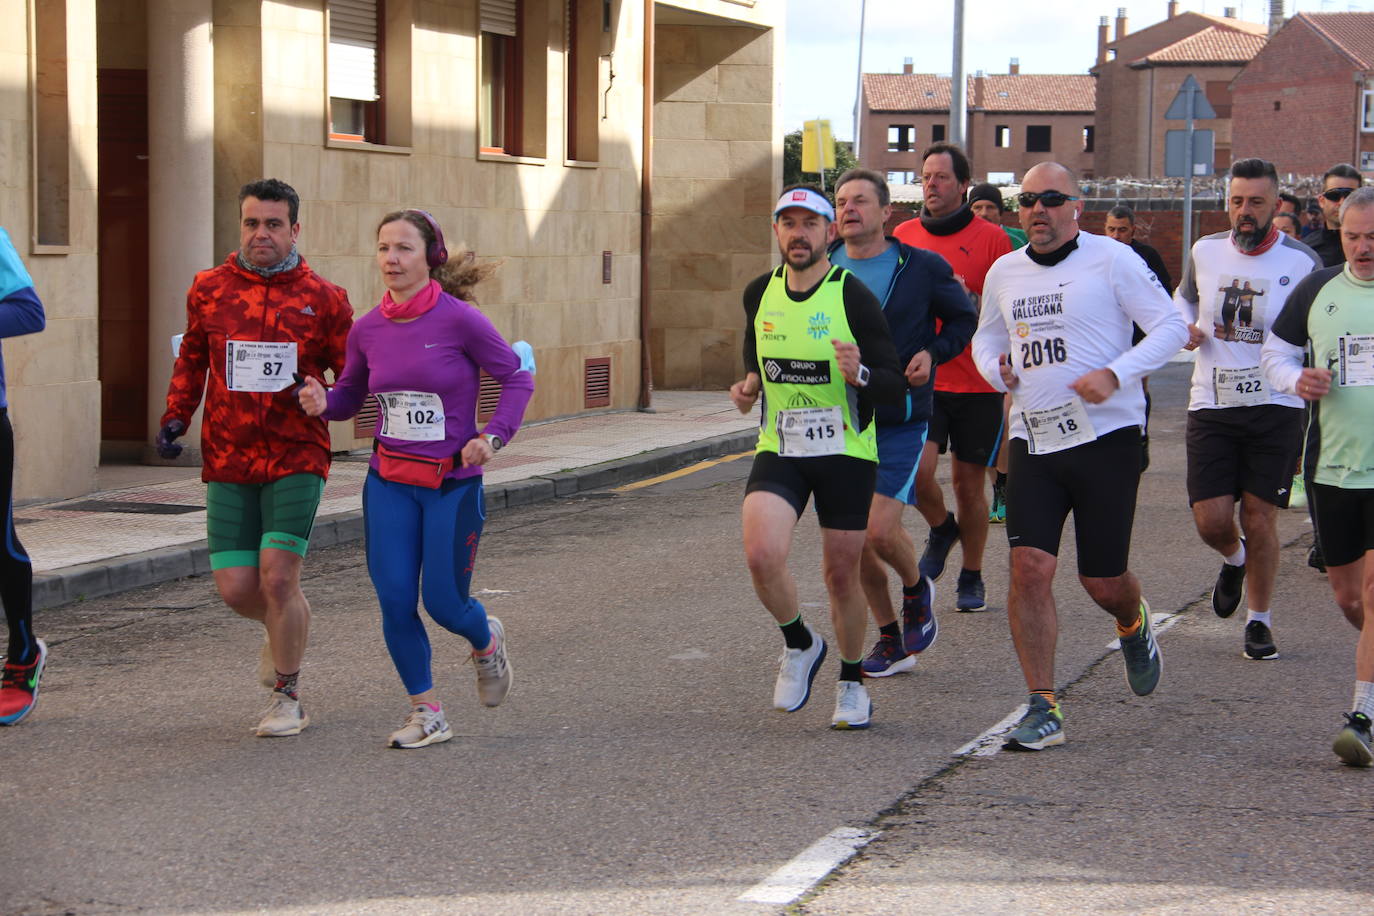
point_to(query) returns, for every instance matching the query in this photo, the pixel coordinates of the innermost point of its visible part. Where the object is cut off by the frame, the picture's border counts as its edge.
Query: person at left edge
(21, 312)
(818, 348)
(420, 354)
(251, 323)
(931, 320)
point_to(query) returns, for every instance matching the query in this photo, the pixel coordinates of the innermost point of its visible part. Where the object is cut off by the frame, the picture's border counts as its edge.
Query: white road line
(836, 847)
(811, 865)
(989, 742)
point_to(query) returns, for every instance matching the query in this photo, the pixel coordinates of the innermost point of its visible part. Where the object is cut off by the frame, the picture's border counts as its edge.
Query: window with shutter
(500, 52)
(584, 23)
(355, 70)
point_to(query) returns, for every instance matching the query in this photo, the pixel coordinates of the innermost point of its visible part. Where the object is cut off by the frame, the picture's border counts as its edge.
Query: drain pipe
(646, 212)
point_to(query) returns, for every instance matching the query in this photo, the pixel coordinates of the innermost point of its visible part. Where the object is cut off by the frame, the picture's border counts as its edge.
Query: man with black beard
(1242, 438)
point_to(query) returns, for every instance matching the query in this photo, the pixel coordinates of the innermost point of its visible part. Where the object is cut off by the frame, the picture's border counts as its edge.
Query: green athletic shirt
(787, 341)
(1324, 306)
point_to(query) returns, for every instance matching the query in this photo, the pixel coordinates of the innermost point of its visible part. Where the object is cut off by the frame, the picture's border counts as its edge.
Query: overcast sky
(1049, 36)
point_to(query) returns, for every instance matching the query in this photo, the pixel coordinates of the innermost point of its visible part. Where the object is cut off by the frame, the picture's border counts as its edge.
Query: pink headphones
(435, 252)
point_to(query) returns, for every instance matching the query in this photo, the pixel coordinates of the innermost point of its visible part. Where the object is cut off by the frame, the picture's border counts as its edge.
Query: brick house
(1138, 75)
(1307, 100)
(1014, 121)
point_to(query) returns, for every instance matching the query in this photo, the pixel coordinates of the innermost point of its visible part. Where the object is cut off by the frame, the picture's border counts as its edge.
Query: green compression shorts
(245, 518)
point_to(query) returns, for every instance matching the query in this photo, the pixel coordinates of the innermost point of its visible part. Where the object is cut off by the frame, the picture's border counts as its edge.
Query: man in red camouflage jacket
(254, 322)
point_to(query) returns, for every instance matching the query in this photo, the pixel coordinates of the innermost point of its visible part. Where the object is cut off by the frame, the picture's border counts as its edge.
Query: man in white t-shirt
(1243, 438)
(1055, 331)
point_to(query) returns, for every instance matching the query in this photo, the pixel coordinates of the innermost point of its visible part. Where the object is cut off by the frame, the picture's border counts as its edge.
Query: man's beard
(812, 256)
(1249, 239)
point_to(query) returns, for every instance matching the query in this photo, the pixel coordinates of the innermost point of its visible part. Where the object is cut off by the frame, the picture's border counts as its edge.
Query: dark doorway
(123, 245)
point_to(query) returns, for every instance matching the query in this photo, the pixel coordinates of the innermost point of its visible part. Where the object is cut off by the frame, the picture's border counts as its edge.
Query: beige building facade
(617, 156)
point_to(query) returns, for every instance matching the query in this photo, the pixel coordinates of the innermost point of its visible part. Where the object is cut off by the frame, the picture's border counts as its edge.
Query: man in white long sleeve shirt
(1331, 311)
(1055, 332)
(1243, 437)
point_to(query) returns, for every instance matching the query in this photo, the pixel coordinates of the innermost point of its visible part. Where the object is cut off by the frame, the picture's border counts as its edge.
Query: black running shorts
(970, 424)
(842, 484)
(1232, 450)
(1096, 482)
(1345, 522)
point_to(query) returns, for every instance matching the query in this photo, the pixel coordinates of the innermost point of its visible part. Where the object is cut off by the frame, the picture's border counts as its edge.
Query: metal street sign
(1190, 91)
(1176, 153)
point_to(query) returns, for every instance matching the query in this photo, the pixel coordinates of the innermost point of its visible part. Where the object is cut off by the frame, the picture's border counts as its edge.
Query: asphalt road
(638, 768)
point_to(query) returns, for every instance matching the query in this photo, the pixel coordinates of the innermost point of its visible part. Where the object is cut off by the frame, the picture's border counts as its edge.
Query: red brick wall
(1313, 86)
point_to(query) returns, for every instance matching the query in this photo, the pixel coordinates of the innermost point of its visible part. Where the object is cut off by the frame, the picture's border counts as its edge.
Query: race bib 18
(1054, 429)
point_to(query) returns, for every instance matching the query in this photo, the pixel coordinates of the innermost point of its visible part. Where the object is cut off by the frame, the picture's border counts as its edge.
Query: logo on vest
(818, 326)
(797, 371)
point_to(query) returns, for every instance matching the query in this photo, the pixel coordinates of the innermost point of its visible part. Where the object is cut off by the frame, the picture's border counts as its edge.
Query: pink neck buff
(1262, 247)
(415, 306)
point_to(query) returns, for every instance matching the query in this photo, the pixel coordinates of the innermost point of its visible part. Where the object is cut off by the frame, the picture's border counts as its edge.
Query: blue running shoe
(939, 543)
(919, 627)
(887, 657)
(969, 594)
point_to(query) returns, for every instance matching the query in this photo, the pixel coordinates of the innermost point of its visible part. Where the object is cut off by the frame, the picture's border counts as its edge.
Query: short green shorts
(243, 519)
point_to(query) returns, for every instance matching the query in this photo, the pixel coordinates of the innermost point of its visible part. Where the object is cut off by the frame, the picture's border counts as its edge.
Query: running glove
(167, 447)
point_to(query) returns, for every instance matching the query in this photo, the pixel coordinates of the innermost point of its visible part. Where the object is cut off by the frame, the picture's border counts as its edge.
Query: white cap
(807, 199)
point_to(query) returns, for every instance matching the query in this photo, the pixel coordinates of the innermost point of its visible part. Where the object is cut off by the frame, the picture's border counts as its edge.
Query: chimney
(1275, 16)
(1102, 40)
(1015, 67)
(1228, 12)
(979, 89)
(906, 65)
(1120, 22)
(1173, 8)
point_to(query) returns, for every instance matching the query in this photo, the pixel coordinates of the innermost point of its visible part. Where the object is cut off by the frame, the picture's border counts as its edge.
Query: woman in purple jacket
(420, 354)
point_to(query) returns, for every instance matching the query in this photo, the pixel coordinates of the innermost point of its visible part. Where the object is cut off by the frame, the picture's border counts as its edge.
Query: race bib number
(1239, 387)
(1356, 354)
(810, 431)
(1039, 352)
(258, 366)
(415, 416)
(1054, 429)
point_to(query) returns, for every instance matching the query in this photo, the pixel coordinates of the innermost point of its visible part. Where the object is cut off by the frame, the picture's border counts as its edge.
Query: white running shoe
(424, 726)
(284, 717)
(267, 669)
(494, 673)
(853, 708)
(796, 670)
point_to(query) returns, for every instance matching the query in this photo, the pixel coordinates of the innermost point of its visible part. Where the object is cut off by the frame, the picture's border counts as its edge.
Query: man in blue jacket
(915, 288)
(20, 313)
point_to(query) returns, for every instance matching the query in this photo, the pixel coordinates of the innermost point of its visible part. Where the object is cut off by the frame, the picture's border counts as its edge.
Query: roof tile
(1001, 92)
(1352, 33)
(1213, 45)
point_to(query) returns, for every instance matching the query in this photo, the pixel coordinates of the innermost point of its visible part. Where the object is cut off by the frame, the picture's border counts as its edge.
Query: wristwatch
(494, 441)
(863, 375)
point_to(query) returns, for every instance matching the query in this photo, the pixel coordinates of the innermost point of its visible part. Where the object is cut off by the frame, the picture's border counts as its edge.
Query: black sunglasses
(1027, 199)
(1335, 194)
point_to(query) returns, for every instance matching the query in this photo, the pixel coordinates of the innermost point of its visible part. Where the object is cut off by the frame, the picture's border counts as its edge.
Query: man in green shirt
(816, 345)
(1331, 311)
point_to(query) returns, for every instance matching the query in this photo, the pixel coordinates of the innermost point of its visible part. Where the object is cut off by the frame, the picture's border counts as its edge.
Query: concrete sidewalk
(125, 537)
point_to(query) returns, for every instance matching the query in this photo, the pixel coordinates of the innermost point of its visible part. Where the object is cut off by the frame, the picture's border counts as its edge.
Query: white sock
(1261, 616)
(1364, 698)
(1237, 558)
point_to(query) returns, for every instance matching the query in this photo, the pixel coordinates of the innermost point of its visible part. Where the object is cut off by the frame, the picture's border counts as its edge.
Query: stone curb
(123, 573)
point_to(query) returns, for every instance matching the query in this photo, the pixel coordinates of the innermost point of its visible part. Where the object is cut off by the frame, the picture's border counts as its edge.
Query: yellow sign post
(818, 148)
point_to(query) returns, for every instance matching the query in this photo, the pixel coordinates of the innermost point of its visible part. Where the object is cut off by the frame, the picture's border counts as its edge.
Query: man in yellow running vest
(817, 347)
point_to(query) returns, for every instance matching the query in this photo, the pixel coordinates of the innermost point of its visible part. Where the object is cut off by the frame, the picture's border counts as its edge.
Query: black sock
(850, 671)
(796, 634)
(949, 524)
(286, 683)
(970, 573)
(911, 591)
(893, 629)
(1001, 479)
